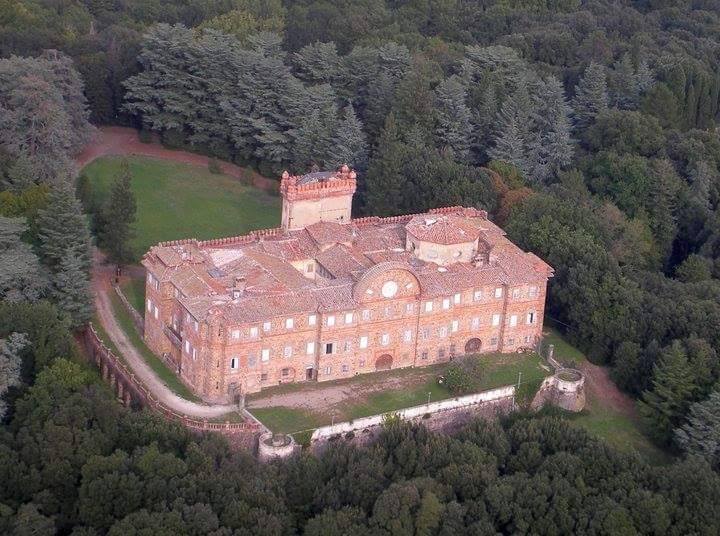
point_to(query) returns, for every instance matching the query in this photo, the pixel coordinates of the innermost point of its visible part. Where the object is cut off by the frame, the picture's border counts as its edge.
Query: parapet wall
(565, 389)
(445, 415)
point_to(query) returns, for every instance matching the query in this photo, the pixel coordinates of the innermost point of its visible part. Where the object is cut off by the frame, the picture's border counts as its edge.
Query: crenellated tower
(322, 196)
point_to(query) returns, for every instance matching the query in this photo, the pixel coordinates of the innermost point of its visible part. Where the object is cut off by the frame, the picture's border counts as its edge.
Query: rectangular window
(287, 352)
(348, 318)
(527, 339)
(363, 342)
(454, 326)
(475, 323)
(194, 354)
(428, 306)
(442, 332)
(310, 348)
(498, 292)
(252, 359)
(265, 356)
(253, 331)
(328, 371)
(331, 320)
(425, 333)
(496, 320)
(361, 363)
(446, 303)
(267, 326)
(347, 346)
(187, 347)
(513, 320)
(195, 324)
(424, 354)
(531, 318)
(263, 377)
(477, 295)
(345, 368)
(493, 341)
(516, 293)
(289, 323)
(309, 268)
(511, 342)
(385, 339)
(407, 335)
(149, 304)
(236, 334)
(456, 298)
(155, 314)
(285, 372)
(452, 349)
(366, 314)
(329, 347)
(234, 363)
(533, 292)
(441, 352)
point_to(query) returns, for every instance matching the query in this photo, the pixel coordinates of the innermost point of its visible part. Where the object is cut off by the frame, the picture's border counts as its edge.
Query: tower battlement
(322, 196)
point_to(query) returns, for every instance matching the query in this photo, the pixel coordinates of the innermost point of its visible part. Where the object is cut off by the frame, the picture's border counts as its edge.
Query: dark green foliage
(117, 217)
(464, 375)
(701, 432)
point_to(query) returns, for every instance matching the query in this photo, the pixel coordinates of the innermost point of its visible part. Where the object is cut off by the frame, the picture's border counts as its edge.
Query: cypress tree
(386, 184)
(71, 290)
(453, 119)
(63, 229)
(513, 139)
(118, 216)
(591, 95)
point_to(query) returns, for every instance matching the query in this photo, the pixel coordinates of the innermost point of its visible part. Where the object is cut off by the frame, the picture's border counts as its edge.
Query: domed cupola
(442, 239)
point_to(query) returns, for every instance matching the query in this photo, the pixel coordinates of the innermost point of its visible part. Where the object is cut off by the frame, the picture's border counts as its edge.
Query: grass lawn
(565, 353)
(154, 362)
(134, 290)
(411, 388)
(177, 201)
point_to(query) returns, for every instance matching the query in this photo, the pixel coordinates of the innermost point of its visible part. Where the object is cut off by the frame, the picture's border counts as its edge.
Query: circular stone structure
(275, 446)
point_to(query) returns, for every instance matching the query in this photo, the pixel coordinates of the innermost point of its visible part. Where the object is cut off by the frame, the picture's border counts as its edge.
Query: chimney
(239, 289)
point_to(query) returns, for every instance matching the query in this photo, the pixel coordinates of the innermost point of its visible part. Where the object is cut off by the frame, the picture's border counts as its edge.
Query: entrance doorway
(473, 346)
(309, 373)
(384, 362)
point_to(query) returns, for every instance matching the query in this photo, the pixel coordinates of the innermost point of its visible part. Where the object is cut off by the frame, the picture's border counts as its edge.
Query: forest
(586, 128)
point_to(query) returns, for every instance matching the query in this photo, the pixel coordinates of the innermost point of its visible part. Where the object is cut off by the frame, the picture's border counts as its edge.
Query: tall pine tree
(117, 218)
(701, 433)
(512, 143)
(386, 185)
(453, 119)
(71, 290)
(591, 95)
(348, 144)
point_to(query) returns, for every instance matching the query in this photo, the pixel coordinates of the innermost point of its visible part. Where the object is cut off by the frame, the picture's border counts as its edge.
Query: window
(428, 306)
(309, 268)
(527, 339)
(348, 318)
(310, 348)
(265, 356)
(149, 304)
(366, 314)
(454, 326)
(441, 352)
(531, 317)
(331, 320)
(235, 334)
(424, 354)
(496, 320)
(347, 346)
(234, 363)
(516, 293)
(493, 341)
(155, 314)
(329, 347)
(289, 323)
(533, 292)
(361, 363)
(328, 370)
(446, 303)
(513, 320)
(287, 352)
(425, 333)
(385, 339)
(477, 295)
(285, 372)
(252, 359)
(409, 308)
(345, 368)
(457, 298)
(254, 331)
(498, 292)
(195, 324)
(452, 349)
(263, 377)
(442, 332)
(511, 342)
(187, 347)
(194, 354)
(363, 342)
(267, 326)
(407, 336)
(475, 323)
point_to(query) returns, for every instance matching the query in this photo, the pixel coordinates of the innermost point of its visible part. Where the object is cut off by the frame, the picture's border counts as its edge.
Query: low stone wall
(132, 391)
(446, 416)
(565, 389)
(136, 316)
(276, 447)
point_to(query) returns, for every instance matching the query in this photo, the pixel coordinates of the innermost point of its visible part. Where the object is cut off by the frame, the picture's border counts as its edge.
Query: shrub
(173, 139)
(214, 166)
(145, 135)
(463, 375)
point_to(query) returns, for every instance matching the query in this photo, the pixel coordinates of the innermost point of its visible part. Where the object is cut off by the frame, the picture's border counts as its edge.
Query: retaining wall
(136, 316)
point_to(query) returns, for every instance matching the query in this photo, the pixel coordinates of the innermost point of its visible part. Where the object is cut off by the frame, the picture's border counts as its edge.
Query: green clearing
(182, 201)
(134, 290)
(565, 353)
(166, 375)
(411, 388)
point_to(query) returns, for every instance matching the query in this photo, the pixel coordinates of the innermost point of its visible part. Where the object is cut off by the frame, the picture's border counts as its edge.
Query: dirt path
(602, 389)
(118, 141)
(320, 398)
(101, 286)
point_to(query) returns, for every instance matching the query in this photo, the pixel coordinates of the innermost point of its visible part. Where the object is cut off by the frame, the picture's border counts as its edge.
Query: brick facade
(238, 315)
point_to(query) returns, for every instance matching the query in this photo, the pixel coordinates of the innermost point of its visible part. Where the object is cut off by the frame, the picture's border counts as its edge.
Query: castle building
(326, 296)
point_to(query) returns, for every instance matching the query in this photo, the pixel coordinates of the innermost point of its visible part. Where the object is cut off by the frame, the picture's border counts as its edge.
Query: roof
(273, 264)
